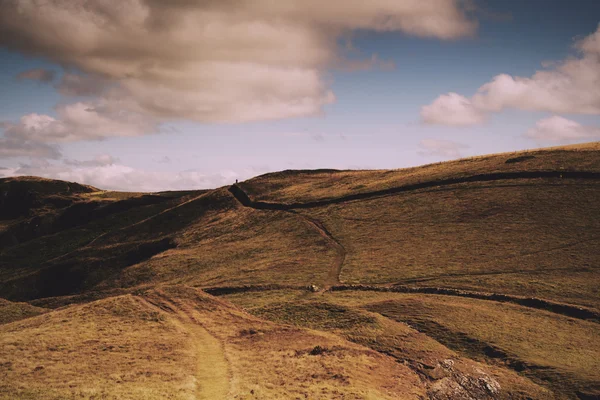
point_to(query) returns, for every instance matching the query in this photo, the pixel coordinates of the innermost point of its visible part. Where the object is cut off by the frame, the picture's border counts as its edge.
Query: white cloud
(78, 121)
(570, 86)
(223, 61)
(590, 44)
(559, 129)
(452, 109)
(440, 148)
(225, 92)
(105, 172)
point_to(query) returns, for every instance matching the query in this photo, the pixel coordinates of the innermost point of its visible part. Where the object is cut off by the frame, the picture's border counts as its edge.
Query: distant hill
(21, 196)
(475, 278)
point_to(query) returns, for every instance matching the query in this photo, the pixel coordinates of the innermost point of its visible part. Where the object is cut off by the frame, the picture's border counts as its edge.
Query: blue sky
(377, 119)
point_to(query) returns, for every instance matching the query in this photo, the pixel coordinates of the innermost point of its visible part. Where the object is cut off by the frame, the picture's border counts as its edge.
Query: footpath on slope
(212, 369)
(239, 193)
(333, 275)
(569, 310)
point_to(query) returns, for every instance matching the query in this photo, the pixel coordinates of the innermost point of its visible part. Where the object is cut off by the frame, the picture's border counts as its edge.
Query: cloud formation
(78, 121)
(559, 129)
(440, 148)
(571, 86)
(39, 74)
(19, 147)
(452, 109)
(98, 161)
(211, 61)
(106, 172)
(82, 85)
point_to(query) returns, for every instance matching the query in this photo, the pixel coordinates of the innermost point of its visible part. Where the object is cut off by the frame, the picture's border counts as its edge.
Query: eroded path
(333, 278)
(333, 275)
(212, 368)
(243, 198)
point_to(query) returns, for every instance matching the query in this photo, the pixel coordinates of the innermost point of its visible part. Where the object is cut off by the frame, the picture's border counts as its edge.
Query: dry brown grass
(12, 311)
(304, 186)
(148, 346)
(239, 246)
(553, 349)
(218, 242)
(533, 237)
(340, 314)
(47, 186)
(512, 237)
(111, 195)
(114, 348)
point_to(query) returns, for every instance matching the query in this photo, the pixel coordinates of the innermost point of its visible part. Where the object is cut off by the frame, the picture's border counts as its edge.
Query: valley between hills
(470, 279)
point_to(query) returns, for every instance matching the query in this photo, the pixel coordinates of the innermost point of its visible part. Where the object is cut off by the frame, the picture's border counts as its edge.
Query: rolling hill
(471, 279)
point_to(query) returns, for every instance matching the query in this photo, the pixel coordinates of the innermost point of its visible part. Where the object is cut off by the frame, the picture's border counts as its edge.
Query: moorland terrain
(472, 279)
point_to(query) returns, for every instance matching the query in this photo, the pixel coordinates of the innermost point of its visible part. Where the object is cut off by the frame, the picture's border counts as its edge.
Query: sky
(149, 95)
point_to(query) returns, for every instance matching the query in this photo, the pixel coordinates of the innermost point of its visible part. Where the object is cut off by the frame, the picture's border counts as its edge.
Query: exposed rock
(456, 385)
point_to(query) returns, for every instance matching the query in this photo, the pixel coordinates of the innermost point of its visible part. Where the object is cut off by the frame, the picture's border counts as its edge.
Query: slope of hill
(475, 278)
(177, 342)
(307, 186)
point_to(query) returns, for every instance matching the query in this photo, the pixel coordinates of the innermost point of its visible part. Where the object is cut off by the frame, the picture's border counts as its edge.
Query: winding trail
(333, 276)
(239, 193)
(212, 368)
(333, 280)
(569, 310)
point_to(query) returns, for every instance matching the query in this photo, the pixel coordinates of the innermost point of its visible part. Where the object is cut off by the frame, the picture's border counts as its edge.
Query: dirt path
(333, 276)
(212, 369)
(332, 282)
(239, 193)
(570, 310)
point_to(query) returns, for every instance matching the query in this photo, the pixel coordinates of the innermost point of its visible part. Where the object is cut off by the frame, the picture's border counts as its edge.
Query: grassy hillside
(179, 343)
(305, 186)
(476, 278)
(532, 237)
(11, 311)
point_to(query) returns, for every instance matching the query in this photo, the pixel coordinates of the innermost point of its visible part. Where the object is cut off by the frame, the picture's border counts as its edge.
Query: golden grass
(304, 186)
(238, 246)
(11, 311)
(114, 348)
(510, 237)
(110, 195)
(575, 287)
(539, 337)
(275, 361)
(535, 237)
(562, 350)
(419, 352)
(161, 344)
